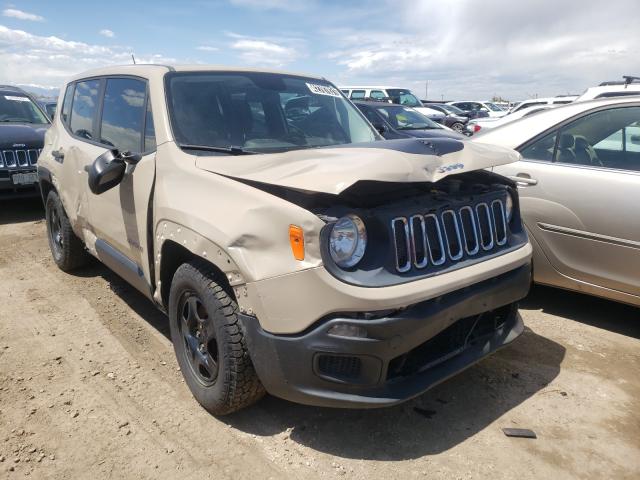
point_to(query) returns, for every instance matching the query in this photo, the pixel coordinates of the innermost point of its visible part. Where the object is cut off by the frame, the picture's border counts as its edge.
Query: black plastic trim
(123, 266)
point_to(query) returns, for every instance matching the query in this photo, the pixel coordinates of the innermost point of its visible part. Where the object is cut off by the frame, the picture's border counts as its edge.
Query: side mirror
(106, 171)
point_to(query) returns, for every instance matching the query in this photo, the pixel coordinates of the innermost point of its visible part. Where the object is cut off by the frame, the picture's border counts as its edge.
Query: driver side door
(119, 216)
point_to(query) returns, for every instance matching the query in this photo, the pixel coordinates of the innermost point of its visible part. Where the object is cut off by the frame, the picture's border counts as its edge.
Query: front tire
(66, 248)
(209, 342)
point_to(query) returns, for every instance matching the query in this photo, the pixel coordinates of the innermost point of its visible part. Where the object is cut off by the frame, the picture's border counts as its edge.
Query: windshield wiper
(209, 148)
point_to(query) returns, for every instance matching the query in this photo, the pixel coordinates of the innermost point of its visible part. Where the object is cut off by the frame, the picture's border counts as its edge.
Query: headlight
(508, 205)
(347, 241)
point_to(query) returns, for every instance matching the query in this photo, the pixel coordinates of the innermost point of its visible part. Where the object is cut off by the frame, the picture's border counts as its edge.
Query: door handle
(58, 155)
(520, 180)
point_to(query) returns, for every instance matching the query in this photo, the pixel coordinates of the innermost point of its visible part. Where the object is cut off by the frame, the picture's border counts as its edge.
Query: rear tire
(66, 248)
(209, 341)
(458, 127)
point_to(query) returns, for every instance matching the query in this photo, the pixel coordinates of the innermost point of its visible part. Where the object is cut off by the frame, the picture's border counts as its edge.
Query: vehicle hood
(434, 133)
(20, 135)
(333, 170)
(429, 112)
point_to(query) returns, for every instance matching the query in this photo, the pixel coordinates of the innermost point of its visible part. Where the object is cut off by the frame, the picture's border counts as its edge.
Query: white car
(579, 184)
(482, 124)
(532, 102)
(628, 86)
(400, 96)
(491, 108)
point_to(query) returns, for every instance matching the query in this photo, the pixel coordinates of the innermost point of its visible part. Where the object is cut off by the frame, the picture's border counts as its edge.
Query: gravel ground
(89, 388)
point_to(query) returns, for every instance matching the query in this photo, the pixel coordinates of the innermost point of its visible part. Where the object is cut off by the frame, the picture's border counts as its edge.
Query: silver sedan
(579, 185)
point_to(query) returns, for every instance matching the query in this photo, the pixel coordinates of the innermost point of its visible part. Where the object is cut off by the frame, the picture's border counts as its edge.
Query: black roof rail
(627, 80)
(630, 79)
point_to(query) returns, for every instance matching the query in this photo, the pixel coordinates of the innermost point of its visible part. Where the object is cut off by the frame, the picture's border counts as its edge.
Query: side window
(541, 149)
(462, 106)
(357, 94)
(371, 116)
(123, 114)
(66, 104)
(83, 112)
(149, 130)
(608, 138)
(377, 95)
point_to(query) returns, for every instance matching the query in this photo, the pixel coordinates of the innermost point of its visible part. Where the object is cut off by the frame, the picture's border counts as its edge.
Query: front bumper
(405, 353)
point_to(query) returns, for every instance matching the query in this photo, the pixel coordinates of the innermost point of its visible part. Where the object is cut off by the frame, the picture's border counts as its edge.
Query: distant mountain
(40, 91)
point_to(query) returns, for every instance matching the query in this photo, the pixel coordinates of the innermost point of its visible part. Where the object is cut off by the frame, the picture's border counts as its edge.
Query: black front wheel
(66, 248)
(209, 342)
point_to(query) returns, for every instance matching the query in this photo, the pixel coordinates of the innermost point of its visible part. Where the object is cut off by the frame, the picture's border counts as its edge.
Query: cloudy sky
(470, 49)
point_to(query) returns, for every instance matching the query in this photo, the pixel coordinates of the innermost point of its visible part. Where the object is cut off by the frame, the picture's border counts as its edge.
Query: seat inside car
(584, 152)
(565, 149)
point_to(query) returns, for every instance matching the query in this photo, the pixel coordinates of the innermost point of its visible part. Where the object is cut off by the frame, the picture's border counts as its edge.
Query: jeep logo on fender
(19, 145)
(449, 168)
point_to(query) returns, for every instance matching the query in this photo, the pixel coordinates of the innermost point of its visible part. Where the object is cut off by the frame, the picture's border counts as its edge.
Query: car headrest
(566, 141)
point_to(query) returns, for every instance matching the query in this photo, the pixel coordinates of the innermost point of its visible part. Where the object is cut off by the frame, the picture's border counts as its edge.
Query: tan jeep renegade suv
(294, 251)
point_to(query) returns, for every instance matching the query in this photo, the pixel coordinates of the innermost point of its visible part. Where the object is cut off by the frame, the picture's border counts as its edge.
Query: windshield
(18, 108)
(403, 118)
(261, 112)
(403, 97)
(451, 109)
(493, 106)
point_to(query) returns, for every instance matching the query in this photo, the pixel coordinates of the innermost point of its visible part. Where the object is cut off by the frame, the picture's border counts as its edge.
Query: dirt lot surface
(89, 388)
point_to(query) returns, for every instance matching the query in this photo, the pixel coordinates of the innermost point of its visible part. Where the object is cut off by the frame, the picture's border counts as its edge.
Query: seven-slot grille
(449, 235)
(19, 158)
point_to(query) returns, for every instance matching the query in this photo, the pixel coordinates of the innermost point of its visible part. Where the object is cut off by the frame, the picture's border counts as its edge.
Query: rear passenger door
(119, 217)
(579, 186)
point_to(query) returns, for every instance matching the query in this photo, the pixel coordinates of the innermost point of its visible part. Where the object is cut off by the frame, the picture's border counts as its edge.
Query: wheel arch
(176, 245)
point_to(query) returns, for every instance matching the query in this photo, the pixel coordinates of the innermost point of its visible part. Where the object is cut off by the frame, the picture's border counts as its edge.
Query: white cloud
(264, 51)
(107, 33)
(207, 48)
(19, 14)
(32, 59)
(478, 49)
(289, 5)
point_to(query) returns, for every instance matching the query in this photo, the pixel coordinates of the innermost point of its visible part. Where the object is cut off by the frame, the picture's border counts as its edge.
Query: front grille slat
(448, 236)
(9, 158)
(419, 241)
(33, 157)
(400, 227)
(452, 234)
(21, 155)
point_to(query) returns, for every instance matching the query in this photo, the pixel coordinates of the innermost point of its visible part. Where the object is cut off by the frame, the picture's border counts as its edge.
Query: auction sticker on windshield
(323, 90)
(16, 99)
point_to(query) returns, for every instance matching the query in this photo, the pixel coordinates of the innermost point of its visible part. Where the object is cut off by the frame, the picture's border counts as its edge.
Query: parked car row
(359, 252)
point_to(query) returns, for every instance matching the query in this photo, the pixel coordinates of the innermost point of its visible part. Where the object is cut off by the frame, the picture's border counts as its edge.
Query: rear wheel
(209, 342)
(458, 127)
(66, 248)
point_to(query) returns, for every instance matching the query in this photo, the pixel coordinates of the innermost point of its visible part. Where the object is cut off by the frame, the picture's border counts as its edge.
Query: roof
(373, 103)
(11, 88)
(519, 131)
(150, 70)
(375, 87)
